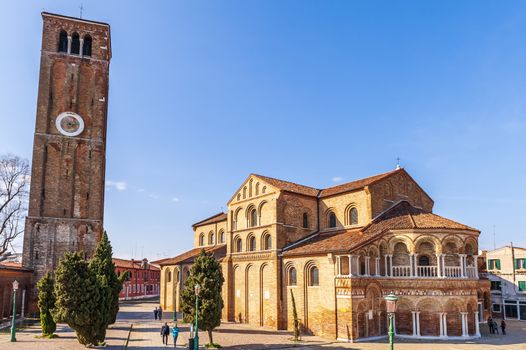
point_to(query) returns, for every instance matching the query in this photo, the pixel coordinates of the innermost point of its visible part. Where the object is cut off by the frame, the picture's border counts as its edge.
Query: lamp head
(197, 289)
(15, 285)
(390, 302)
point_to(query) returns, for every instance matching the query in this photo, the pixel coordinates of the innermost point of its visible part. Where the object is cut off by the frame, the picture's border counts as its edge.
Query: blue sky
(202, 93)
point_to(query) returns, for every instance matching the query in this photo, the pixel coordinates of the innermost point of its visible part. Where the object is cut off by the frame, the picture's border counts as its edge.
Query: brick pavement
(145, 335)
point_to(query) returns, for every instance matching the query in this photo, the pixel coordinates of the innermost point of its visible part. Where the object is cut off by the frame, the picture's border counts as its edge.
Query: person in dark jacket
(165, 331)
(495, 327)
(160, 313)
(155, 311)
(503, 327)
(490, 325)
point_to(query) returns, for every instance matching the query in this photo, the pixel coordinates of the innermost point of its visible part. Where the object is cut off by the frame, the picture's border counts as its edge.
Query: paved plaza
(145, 335)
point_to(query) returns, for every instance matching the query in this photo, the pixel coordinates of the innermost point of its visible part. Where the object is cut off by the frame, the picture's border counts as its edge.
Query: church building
(340, 251)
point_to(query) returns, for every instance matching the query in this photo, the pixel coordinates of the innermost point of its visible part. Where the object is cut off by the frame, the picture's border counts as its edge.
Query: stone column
(81, 47)
(439, 265)
(351, 265)
(23, 309)
(411, 258)
(367, 258)
(339, 266)
(69, 44)
(391, 265)
(444, 324)
(385, 265)
(477, 327)
(415, 262)
(418, 323)
(475, 260)
(415, 326)
(377, 266)
(464, 323)
(441, 323)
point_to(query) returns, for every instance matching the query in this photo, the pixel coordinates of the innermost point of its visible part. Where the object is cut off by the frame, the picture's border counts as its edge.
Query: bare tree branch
(14, 190)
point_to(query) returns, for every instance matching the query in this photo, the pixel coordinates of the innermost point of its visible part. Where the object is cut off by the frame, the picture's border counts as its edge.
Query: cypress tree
(46, 302)
(78, 298)
(102, 265)
(206, 272)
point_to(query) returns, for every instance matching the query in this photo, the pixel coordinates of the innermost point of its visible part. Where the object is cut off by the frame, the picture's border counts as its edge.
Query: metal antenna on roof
(81, 9)
(398, 163)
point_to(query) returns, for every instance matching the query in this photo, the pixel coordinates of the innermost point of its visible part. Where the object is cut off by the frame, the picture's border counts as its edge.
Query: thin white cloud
(141, 190)
(153, 195)
(118, 185)
(175, 199)
(337, 179)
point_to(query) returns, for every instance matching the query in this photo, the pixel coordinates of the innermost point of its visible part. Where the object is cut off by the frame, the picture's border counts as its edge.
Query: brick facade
(341, 250)
(67, 179)
(143, 279)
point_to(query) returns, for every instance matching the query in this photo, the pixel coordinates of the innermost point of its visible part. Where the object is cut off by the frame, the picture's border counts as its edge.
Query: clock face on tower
(69, 124)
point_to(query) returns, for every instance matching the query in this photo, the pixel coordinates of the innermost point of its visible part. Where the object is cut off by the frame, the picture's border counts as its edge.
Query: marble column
(464, 319)
(462, 265)
(377, 267)
(386, 273)
(477, 326)
(439, 265)
(411, 258)
(367, 258)
(391, 265)
(475, 260)
(415, 326)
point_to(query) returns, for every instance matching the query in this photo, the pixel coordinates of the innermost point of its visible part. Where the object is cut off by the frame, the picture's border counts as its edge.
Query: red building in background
(143, 278)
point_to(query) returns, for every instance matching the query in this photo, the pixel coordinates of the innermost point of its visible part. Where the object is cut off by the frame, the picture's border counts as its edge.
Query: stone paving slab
(146, 335)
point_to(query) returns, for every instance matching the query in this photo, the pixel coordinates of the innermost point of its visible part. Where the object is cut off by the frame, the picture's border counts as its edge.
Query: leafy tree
(46, 302)
(206, 272)
(78, 298)
(295, 318)
(102, 264)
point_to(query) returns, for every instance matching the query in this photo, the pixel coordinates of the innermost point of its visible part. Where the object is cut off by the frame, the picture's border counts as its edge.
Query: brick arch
(263, 241)
(454, 240)
(404, 317)
(471, 308)
(453, 307)
(361, 317)
(429, 309)
(403, 239)
(261, 206)
(472, 243)
(430, 239)
(347, 213)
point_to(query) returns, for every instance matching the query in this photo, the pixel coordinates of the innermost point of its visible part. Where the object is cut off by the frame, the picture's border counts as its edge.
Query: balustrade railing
(401, 271)
(426, 271)
(453, 271)
(471, 272)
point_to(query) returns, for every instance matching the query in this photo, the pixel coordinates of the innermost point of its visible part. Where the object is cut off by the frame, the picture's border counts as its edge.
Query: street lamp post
(13, 323)
(196, 338)
(390, 303)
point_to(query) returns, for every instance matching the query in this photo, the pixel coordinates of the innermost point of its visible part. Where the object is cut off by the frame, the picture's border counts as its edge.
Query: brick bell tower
(66, 203)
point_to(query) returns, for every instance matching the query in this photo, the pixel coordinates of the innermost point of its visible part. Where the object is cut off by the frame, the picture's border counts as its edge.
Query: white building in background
(506, 269)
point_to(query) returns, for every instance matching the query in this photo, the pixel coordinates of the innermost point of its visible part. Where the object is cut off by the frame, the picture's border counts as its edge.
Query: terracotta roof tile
(219, 252)
(357, 184)
(131, 264)
(213, 219)
(399, 217)
(289, 186)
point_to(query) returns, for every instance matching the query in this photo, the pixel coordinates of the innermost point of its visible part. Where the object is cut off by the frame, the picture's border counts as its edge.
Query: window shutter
(517, 264)
(522, 286)
(497, 263)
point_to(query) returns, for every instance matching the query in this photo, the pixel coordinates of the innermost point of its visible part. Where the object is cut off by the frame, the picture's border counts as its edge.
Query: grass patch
(213, 346)
(47, 336)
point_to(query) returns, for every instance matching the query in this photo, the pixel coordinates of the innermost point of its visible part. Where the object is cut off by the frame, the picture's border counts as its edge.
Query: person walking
(155, 311)
(165, 331)
(175, 333)
(495, 327)
(490, 325)
(503, 327)
(160, 313)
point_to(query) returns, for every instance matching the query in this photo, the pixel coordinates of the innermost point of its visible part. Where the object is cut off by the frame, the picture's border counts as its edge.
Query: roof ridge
(365, 178)
(290, 182)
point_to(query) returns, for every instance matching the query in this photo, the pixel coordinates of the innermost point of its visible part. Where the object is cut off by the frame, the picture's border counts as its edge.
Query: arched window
(332, 220)
(75, 44)
(293, 279)
(86, 46)
(169, 277)
(221, 237)
(212, 238)
(267, 242)
(305, 220)
(257, 188)
(252, 243)
(244, 192)
(63, 41)
(353, 216)
(423, 260)
(314, 276)
(201, 239)
(238, 245)
(264, 189)
(253, 218)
